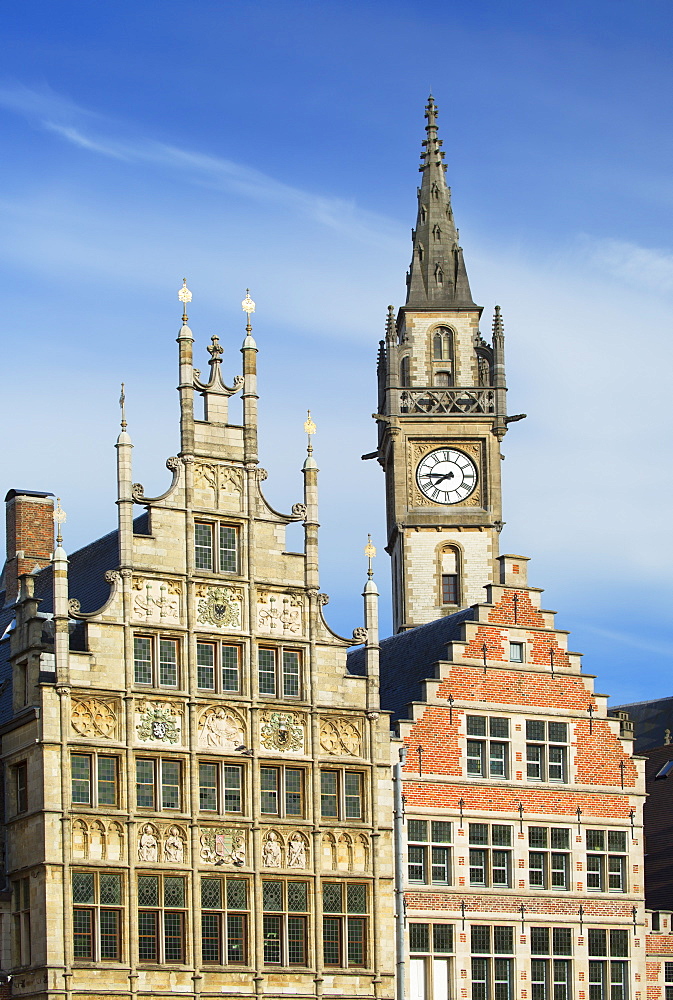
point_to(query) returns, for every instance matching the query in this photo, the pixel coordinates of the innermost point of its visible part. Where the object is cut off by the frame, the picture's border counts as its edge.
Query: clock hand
(437, 475)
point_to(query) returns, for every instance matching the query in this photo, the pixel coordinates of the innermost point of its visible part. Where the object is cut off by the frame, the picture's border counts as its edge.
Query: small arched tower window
(424, 213)
(450, 576)
(442, 345)
(405, 379)
(439, 275)
(437, 232)
(421, 251)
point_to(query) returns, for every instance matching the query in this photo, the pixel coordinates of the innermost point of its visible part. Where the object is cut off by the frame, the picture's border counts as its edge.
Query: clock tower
(441, 418)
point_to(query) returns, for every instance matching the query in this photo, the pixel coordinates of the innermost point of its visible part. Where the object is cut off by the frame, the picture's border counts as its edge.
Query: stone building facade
(198, 794)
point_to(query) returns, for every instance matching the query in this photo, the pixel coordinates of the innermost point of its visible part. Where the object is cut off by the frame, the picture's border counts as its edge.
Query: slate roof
(650, 720)
(86, 582)
(658, 819)
(407, 659)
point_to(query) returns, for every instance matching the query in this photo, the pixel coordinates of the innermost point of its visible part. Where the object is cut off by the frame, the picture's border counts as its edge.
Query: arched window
(450, 576)
(443, 379)
(405, 380)
(439, 275)
(442, 344)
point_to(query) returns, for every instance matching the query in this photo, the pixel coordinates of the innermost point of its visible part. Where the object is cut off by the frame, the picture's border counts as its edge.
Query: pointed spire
(437, 277)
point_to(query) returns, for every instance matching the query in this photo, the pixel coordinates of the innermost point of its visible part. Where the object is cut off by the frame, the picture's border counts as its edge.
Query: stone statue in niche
(296, 851)
(174, 847)
(272, 851)
(148, 848)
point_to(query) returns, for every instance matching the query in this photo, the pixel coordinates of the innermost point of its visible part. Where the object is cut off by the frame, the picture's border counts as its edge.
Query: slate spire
(437, 277)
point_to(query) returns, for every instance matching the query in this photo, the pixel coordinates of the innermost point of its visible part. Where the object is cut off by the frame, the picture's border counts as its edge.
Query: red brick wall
(30, 531)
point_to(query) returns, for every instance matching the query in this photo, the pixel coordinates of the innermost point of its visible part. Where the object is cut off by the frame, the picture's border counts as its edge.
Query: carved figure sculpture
(296, 851)
(271, 854)
(148, 849)
(174, 847)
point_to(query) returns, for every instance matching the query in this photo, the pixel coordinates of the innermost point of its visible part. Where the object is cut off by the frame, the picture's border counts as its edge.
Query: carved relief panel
(161, 843)
(280, 614)
(221, 845)
(283, 732)
(341, 737)
(279, 851)
(221, 485)
(95, 718)
(219, 607)
(221, 728)
(416, 450)
(97, 840)
(159, 722)
(157, 602)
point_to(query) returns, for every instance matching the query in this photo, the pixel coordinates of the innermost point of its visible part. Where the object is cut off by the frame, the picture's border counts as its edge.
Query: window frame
(430, 956)
(280, 673)
(158, 783)
(20, 772)
(223, 789)
(95, 910)
(548, 853)
(155, 640)
(281, 790)
(218, 666)
(21, 923)
(426, 849)
(160, 911)
(479, 747)
(223, 919)
(602, 862)
(94, 779)
(492, 960)
(539, 753)
(217, 560)
(343, 921)
(342, 796)
(284, 937)
(495, 857)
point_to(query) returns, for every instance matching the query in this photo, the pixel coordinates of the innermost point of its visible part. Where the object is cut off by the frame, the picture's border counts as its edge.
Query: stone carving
(174, 846)
(221, 728)
(296, 851)
(148, 845)
(221, 846)
(279, 614)
(282, 731)
(329, 855)
(95, 717)
(156, 600)
(345, 853)
(323, 599)
(299, 510)
(340, 737)
(220, 606)
(359, 635)
(225, 481)
(158, 722)
(272, 852)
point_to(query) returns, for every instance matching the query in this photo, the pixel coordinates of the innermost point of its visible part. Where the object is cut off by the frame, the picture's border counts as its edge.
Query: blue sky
(274, 145)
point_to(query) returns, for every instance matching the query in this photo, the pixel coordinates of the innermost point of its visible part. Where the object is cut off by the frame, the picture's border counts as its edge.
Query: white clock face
(446, 476)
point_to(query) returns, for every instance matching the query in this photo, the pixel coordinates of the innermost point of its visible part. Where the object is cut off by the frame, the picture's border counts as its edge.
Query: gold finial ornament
(122, 405)
(184, 294)
(309, 426)
(59, 519)
(247, 305)
(370, 552)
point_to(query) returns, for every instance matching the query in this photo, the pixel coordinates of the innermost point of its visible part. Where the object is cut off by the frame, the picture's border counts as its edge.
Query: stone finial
(59, 519)
(498, 325)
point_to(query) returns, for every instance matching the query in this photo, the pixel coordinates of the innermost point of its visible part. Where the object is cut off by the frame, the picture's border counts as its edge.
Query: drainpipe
(400, 920)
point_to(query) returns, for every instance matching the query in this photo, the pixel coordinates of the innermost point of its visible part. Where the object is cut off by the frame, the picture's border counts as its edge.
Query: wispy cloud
(658, 648)
(73, 124)
(632, 263)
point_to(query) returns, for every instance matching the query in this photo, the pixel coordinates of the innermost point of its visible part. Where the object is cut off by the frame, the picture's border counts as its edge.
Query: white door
(440, 979)
(417, 972)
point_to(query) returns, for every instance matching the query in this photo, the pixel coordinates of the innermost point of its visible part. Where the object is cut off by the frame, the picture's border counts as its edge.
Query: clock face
(446, 476)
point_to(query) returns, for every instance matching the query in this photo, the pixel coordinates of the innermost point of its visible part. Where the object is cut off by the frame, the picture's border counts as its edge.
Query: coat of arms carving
(220, 606)
(221, 846)
(158, 722)
(279, 614)
(281, 731)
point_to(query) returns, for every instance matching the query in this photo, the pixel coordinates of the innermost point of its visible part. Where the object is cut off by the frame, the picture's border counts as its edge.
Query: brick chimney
(30, 536)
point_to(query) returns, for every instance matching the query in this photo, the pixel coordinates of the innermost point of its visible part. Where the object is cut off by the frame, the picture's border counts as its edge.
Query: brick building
(522, 837)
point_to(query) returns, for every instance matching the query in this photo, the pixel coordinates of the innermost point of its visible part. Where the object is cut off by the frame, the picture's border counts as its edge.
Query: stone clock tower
(441, 419)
